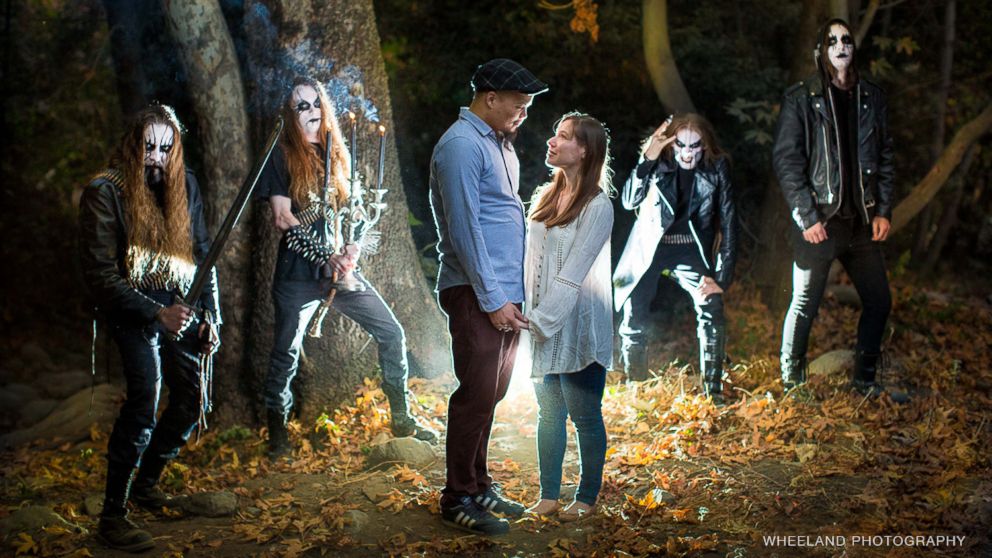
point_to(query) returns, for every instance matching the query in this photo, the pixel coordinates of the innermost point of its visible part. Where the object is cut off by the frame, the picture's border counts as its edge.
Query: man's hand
(174, 318)
(508, 318)
(351, 253)
(880, 229)
(209, 338)
(339, 264)
(815, 234)
(708, 287)
(658, 141)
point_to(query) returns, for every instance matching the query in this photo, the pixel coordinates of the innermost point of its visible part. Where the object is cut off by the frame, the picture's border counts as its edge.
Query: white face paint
(688, 148)
(306, 102)
(159, 139)
(840, 47)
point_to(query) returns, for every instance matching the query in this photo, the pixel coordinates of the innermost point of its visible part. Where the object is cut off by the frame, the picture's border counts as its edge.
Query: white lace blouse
(569, 291)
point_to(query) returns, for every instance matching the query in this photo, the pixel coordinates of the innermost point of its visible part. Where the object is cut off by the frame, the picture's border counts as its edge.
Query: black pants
(295, 304)
(848, 240)
(149, 355)
(684, 265)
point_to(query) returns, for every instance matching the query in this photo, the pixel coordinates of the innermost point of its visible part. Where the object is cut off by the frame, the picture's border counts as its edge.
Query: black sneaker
(121, 533)
(468, 516)
(492, 500)
(151, 499)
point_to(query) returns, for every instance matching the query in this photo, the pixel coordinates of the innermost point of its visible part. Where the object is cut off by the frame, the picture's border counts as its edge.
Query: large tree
(339, 43)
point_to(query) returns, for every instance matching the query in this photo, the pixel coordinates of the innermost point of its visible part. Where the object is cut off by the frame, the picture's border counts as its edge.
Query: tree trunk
(773, 259)
(126, 19)
(925, 189)
(660, 60)
(338, 43)
(921, 243)
(950, 216)
(215, 87)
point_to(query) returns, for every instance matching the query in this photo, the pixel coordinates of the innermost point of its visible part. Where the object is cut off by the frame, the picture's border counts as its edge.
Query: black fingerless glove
(303, 243)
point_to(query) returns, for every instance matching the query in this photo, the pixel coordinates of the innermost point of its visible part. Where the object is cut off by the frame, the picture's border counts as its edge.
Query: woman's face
(564, 151)
(306, 103)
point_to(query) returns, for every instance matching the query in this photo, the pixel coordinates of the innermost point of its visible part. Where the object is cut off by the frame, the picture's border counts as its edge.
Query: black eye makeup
(167, 147)
(696, 144)
(149, 147)
(304, 106)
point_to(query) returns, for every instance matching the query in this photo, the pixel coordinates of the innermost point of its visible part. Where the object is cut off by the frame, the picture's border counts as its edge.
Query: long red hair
(166, 231)
(306, 169)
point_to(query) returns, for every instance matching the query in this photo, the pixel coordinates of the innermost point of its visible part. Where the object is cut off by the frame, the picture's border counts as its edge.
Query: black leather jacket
(806, 153)
(103, 245)
(711, 206)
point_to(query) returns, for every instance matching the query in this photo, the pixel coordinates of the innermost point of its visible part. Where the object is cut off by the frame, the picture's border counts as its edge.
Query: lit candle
(354, 144)
(382, 153)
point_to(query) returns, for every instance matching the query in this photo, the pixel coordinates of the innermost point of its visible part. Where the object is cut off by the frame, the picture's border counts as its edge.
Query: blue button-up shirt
(478, 212)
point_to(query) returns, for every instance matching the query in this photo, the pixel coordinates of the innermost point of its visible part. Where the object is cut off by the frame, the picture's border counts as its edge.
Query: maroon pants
(483, 359)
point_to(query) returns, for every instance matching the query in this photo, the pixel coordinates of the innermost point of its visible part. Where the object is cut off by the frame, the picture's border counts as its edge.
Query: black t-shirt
(684, 182)
(275, 181)
(846, 114)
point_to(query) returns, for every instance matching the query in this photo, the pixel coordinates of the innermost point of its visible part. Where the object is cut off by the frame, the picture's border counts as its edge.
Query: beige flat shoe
(576, 512)
(544, 508)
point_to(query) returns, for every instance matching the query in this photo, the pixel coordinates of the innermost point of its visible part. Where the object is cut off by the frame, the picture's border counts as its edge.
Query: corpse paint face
(309, 113)
(688, 148)
(840, 47)
(159, 139)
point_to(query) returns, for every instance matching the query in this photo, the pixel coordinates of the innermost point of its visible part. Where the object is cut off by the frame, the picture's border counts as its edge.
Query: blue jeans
(579, 395)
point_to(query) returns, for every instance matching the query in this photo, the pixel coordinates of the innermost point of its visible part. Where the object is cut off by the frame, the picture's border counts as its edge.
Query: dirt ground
(682, 478)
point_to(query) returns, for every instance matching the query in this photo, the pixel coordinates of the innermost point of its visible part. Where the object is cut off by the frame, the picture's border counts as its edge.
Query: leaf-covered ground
(682, 478)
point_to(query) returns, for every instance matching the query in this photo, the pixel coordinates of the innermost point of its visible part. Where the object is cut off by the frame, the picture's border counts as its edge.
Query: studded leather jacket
(806, 154)
(103, 246)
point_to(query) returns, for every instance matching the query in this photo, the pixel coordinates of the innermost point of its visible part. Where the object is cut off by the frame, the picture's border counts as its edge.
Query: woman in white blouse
(568, 289)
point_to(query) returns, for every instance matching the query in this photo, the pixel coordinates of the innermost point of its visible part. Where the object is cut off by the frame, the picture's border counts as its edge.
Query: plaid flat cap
(503, 74)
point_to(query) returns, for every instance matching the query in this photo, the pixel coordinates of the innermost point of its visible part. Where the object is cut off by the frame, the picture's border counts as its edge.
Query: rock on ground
(13, 397)
(36, 410)
(71, 419)
(34, 518)
(355, 520)
(60, 385)
(839, 362)
(209, 504)
(405, 450)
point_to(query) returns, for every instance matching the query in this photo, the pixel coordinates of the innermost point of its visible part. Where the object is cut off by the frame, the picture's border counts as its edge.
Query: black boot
(278, 435)
(793, 371)
(117, 531)
(865, 379)
(403, 423)
(145, 492)
(712, 351)
(635, 361)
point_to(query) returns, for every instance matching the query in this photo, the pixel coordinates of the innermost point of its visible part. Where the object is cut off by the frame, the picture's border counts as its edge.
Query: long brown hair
(594, 177)
(827, 70)
(306, 169)
(166, 231)
(693, 121)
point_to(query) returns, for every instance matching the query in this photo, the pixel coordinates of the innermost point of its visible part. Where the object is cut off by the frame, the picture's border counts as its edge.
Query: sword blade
(205, 269)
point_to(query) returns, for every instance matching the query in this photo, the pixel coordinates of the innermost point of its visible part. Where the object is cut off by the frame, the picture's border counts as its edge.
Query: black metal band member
(303, 243)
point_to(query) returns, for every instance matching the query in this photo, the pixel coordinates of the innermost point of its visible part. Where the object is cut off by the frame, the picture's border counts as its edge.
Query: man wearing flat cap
(475, 176)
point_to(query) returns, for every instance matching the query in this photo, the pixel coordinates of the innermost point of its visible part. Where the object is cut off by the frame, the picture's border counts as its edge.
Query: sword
(204, 271)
